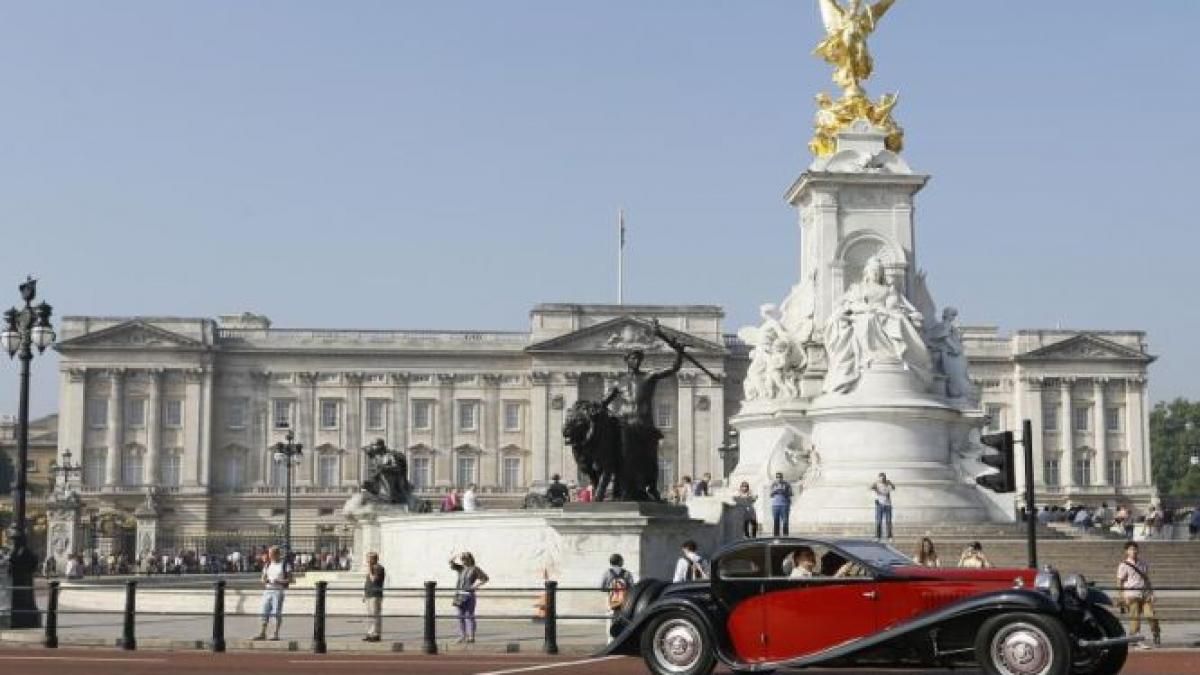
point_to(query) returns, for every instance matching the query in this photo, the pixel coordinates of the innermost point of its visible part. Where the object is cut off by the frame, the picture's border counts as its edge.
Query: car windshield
(876, 554)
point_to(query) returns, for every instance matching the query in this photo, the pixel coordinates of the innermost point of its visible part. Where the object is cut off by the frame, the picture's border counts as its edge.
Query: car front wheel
(1107, 661)
(676, 643)
(1023, 644)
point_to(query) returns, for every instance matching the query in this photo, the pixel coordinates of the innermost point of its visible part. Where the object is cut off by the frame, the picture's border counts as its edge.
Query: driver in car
(800, 564)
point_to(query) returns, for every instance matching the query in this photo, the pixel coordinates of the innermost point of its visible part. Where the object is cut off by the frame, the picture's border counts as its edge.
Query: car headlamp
(1078, 584)
(1049, 582)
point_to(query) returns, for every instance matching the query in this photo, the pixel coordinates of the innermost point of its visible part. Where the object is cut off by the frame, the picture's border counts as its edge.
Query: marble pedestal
(520, 548)
(64, 533)
(888, 425)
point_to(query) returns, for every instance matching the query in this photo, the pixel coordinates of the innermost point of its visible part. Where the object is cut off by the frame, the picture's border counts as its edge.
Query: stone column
(716, 434)
(115, 434)
(1033, 396)
(1067, 431)
(73, 407)
(259, 411)
(443, 429)
(489, 469)
(306, 431)
(207, 424)
(539, 416)
(192, 463)
(354, 427)
(398, 424)
(1135, 431)
(685, 437)
(153, 428)
(1100, 434)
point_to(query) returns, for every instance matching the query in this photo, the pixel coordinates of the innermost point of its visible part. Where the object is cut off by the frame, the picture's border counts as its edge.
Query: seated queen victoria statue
(873, 324)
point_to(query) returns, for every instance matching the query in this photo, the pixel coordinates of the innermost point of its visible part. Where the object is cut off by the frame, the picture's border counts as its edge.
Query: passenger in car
(800, 564)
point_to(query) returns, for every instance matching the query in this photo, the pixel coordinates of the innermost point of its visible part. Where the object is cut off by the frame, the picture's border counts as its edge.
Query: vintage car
(785, 603)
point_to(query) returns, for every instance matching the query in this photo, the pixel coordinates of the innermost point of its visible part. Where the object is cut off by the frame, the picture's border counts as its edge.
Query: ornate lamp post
(729, 452)
(289, 453)
(66, 470)
(25, 328)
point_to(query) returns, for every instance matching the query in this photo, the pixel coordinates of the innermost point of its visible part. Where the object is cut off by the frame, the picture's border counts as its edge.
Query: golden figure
(845, 48)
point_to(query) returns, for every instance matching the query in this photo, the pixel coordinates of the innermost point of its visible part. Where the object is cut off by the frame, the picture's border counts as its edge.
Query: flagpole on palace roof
(620, 256)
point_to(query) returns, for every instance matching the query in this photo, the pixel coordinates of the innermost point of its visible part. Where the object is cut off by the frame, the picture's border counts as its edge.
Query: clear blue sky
(450, 164)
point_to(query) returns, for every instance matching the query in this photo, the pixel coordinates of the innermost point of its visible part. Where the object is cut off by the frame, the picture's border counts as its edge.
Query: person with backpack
(1137, 593)
(691, 566)
(617, 582)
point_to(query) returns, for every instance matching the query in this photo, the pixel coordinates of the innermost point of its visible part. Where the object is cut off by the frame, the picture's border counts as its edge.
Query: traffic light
(1004, 480)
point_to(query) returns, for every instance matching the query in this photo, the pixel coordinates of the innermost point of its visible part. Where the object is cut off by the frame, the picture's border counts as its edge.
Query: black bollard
(429, 646)
(51, 640)
(319, 619)
(128, 641)
(550, 644)
(218, 639)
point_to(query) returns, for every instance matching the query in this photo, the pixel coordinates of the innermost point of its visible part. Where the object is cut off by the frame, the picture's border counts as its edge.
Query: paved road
(110, 662)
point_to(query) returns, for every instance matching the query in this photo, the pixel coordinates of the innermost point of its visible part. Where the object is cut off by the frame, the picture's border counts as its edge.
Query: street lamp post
(288, 452)
(25, 328)
(66, 470)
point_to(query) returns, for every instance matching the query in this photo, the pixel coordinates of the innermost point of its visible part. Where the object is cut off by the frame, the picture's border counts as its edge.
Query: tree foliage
(1174, 438)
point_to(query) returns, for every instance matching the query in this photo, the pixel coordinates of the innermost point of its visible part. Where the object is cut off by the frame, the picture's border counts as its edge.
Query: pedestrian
(1194, 524)
(1083, 520)
(743, 501)
(685, 490)
(275, 578)
(972, 556)
(587, 493)
(450, 501)
(691, 565)
(926, 555)
(373, 596)
(469, 501)
(616, 582)
(73, 569)
(701, 487)
(49, 567)
(1137, 593)
(781, 503)
(470, 579)
(557, 494)
(883, 489)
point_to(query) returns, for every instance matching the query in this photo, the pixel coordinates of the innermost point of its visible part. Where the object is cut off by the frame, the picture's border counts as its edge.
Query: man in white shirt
(275, 579)
(73, 569)
(883, 489)
(691, 565)
(470, 502)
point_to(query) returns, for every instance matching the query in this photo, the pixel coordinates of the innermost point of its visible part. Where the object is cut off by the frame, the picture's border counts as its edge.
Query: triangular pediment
(620, 335)
(132, 335)
(1086, 346)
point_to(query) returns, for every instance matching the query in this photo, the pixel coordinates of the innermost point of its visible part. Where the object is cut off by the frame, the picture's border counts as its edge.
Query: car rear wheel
(676, 643)
(1023, 644)
(1107, 661)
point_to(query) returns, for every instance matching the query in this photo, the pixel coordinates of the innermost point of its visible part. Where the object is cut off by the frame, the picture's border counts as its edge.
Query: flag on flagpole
(621, 225)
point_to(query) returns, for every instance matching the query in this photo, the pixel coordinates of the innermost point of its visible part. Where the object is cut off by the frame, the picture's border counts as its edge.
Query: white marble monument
(855, 374)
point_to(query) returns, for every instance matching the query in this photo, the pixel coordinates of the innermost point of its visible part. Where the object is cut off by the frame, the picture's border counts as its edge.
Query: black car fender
(1098, 597)
(627, 642)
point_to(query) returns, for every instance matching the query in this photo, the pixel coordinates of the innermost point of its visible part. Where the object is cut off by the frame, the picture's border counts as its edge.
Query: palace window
(1050, 473)
(169, 469)
(97, 413)
(468, 415)
(135, 412)
(421, 472)
(329, 413)
(327, 470)
(1083, 471)
(1082, 418)
(281, 413)
(1116, 472)
(376, 413)
(278, 473)
(1112, 419)
(131, 467)
(464, 473)
(173, 414)
(233, 470)
(512, 416)
(511, 477)
(666, 475)
(1050, 417)
(663, 415)
(235, 413)
(421, 414)
(93, 469)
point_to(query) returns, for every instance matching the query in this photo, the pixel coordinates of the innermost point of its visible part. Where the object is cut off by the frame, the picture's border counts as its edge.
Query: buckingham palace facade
(191, 406)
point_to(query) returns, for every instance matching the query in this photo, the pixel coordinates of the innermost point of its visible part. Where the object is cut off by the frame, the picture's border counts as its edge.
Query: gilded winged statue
(845, 48)
(845, 43)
